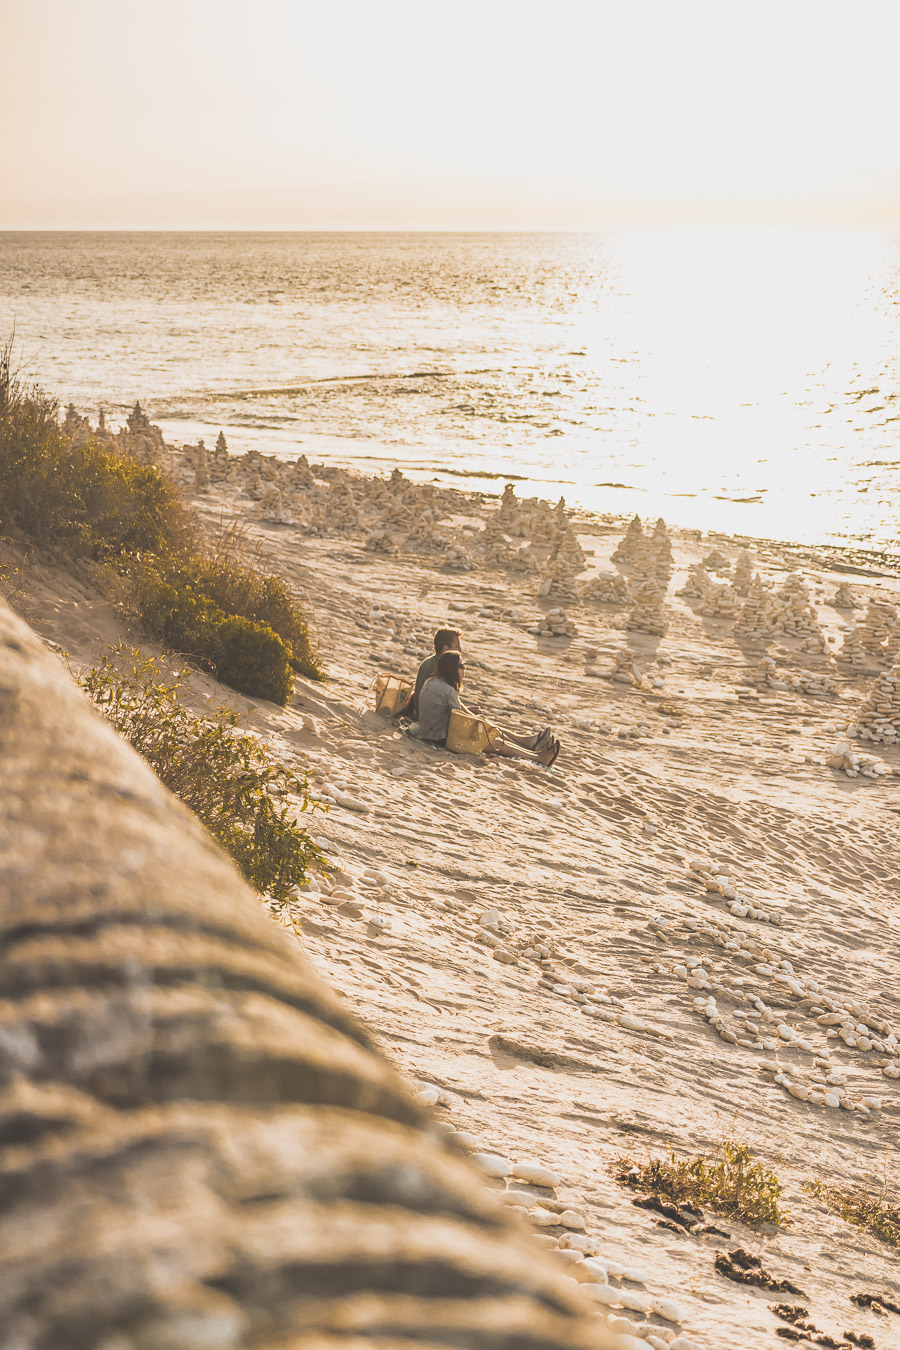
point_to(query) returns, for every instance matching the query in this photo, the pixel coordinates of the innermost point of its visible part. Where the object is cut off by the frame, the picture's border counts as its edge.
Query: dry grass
(875, 1212)
(728, 1181)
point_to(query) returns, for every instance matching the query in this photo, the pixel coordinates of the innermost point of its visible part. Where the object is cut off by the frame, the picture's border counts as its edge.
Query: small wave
(627, 486)
(476, 473)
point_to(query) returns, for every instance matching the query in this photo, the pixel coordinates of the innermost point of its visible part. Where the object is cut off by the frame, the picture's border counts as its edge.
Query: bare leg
(526, 742)
(510, 748)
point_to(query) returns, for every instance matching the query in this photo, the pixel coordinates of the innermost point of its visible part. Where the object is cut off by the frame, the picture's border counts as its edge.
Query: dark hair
(449, 668)
(445, 637)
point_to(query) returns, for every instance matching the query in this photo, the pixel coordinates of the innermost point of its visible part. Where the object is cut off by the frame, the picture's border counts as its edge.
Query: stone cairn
(878, 627)
(496, 549)
(698, 583)
(647, 611)
(648, 556)
(794, 616)
(512, 516)
(852, 653)
(743, 573)
(716, 562)
(720, 602)
(844, 597)
(624, 670)
(631, 546)
(591, 657)
(219, 461)
(554, 624)
(558, 582)
(754, 623)
(879, 717)
(607, 588)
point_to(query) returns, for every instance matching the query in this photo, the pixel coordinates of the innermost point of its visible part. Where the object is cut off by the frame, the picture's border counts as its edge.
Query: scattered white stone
(492, 1164)
(535, 1173)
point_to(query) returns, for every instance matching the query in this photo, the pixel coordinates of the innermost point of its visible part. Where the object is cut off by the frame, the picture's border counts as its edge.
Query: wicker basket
(391, 694)
(468, 735)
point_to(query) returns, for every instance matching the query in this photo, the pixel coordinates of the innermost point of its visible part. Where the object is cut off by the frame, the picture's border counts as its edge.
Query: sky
(420, 114)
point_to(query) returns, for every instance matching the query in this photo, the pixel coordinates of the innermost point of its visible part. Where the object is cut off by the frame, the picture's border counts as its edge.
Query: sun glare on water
(749, 348)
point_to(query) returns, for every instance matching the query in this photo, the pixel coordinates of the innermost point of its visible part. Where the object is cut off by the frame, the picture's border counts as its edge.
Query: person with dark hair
(440, 695)
(445, 640)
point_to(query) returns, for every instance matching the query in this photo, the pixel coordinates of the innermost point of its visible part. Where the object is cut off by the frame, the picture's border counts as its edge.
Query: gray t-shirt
(436, 702)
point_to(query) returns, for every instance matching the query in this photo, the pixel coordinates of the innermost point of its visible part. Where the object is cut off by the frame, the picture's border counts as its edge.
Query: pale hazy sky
(472, 114)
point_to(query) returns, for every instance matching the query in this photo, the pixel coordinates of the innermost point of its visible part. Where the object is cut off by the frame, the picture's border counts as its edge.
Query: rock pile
(754, 623)
(793, 615)
(716, 562)
(720, 602)
(698, 583)
(855, 764)
(851, 654)
(555, 623)
(624, 670)
(877, 627)
(647, 612)
(843, 597)
(879, 717)
(631, 546)
(766, 675)
(743, 572)
(607, 588)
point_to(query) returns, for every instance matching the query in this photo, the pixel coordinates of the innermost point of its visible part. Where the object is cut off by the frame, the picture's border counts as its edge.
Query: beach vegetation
(206, 598)
(247, 800)
(729, 1181)
(874, 1211)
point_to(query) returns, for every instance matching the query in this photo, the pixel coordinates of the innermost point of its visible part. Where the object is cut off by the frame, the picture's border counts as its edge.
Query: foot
(547, 755)
(541, 739)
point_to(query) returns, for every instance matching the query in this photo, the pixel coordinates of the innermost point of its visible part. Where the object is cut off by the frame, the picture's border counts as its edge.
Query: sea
(741, 380)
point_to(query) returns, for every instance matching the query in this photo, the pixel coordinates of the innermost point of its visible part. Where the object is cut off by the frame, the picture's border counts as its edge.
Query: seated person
(445, 640)
(440, 695)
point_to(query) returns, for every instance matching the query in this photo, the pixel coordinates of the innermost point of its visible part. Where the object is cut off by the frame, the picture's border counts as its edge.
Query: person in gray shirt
(440, 695)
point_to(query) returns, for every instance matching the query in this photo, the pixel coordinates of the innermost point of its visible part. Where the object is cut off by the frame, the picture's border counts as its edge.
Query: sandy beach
(685, 931)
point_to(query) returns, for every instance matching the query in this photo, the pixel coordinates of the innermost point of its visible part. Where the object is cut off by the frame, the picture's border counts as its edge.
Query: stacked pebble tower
(754, 623)
(843, 597)
(877, 627)
(647, 612)
(632, 544)
(879, 717)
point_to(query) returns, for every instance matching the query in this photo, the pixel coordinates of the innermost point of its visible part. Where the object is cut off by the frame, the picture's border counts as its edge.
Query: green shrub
(729, 1182)
(244, 654)
(253, 659)
(236, 584)
(208, 601)
(247, 801)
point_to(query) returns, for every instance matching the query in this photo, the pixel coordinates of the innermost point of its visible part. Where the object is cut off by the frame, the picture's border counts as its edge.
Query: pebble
(513, 1197)
(491, 919)
(535, 1173)
(665, 1308)
(603, 1293)
(597, 1270)
(491, 1164)
(570, 1218)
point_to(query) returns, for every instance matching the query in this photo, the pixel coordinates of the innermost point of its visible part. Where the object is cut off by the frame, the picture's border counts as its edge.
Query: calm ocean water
(741, 380)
